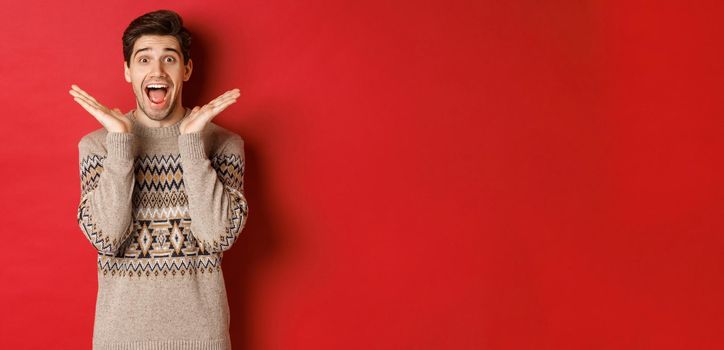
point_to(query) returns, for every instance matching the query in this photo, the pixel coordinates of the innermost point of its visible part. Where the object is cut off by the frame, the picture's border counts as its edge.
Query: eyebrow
(148, 48)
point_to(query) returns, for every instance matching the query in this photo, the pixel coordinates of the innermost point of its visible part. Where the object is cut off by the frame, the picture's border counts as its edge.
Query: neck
(172, 118)
(173, 130)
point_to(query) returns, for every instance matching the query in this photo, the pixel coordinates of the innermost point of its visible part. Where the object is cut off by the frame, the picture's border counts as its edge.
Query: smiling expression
(156, 72)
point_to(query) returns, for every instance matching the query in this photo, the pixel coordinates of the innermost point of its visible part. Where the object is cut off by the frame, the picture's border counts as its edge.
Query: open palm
(112, 119)
(200, 116)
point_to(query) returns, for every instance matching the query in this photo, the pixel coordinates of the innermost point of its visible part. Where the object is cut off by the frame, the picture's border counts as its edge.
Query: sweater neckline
(171, 130)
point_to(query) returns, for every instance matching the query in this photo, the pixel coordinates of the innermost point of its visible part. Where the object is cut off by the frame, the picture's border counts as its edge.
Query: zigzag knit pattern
(160, 240)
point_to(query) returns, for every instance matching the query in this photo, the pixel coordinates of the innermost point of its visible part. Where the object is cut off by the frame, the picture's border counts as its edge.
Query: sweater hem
(175, 344)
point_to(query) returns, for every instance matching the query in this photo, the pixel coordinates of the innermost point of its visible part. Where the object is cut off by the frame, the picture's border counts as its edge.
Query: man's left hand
(200, 116)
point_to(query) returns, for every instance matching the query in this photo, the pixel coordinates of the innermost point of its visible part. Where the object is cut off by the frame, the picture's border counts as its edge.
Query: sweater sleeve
(215, 190)
(105, 209)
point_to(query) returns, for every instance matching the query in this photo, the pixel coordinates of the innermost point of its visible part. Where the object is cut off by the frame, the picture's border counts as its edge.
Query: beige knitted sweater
(161, 208)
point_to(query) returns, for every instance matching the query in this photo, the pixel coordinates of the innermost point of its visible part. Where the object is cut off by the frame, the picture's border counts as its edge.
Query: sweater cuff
(120, 145)
(191, 146)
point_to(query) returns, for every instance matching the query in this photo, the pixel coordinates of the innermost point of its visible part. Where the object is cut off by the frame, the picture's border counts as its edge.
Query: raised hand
(200, 116)
(112, 119)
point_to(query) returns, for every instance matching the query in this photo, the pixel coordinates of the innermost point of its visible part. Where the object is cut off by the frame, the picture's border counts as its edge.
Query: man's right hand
(112, 119)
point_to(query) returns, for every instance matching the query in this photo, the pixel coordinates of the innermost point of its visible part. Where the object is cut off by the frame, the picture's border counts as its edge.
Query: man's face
(156, 72)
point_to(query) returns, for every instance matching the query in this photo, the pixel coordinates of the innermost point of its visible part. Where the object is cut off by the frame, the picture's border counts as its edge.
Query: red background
(420, 174)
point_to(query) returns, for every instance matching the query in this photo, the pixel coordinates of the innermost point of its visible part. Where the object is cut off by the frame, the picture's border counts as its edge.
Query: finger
(216, 100)
(232, 91)
(221, 107)
(90, 101)
(226, 94)
(93, 109)
(219, 101)
(223, 100)
(85, 103)
(88, 107)
(211, 111)
(79, 95)
(228, 98)
(194, 111)
(82, 92)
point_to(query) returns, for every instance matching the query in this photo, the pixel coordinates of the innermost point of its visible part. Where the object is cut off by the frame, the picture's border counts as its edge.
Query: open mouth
(156, 93)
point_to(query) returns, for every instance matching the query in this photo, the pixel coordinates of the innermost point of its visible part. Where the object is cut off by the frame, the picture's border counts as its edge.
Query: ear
(126, 72)
(187, 70)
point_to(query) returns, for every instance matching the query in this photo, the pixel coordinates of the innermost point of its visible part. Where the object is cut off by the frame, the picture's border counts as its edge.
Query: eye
(170, 59)
(143, 60)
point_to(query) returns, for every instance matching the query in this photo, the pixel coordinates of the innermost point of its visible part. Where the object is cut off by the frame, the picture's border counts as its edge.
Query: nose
(157, 69)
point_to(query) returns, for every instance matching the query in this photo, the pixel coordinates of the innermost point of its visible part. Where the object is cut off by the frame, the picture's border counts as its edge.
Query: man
(162, 198)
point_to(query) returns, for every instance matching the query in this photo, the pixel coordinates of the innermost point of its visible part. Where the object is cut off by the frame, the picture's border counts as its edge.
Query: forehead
(156, 42)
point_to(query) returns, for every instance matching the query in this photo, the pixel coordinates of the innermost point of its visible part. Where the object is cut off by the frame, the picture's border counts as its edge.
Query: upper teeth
(156, 86)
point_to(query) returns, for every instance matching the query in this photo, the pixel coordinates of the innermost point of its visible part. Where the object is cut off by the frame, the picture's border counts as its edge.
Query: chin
(156, 114)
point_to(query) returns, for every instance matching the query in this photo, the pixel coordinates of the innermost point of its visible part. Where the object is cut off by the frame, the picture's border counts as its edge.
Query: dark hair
(160, 22)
